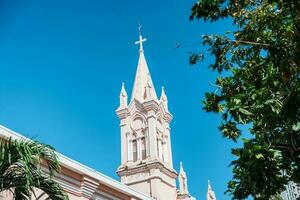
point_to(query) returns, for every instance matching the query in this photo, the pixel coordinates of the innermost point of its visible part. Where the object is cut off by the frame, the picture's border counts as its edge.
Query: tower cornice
(151, 105)
(146, 166)
(135, 104)
(122, 112)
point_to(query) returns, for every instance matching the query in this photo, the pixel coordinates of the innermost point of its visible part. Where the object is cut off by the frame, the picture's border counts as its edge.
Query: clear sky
(62, 64)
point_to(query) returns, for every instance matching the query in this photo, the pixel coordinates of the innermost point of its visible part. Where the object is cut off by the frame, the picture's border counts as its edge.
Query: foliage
(259, 86)
(21, 171)
(277, 197)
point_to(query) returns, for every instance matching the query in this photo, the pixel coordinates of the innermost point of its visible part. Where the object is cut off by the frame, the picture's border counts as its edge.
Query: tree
(258, 63)
(21, 171)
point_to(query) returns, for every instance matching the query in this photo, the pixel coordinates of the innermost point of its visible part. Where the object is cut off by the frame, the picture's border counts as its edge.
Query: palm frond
(21, 164)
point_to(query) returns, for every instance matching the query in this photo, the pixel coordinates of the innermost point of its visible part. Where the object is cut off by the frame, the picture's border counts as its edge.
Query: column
(168, 140)
(160, 150)
(147, 144)
(166, 153)
(155, 188)
(129, 151)
(152, 134)
(123, 141)
(139, 149)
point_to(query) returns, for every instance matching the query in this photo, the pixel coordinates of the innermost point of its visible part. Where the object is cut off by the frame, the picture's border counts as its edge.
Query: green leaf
(258, 156)
(296, 127)
(244, 111)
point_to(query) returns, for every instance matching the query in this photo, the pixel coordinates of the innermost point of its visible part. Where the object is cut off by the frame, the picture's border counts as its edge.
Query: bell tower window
(143, 141)
(134, 150)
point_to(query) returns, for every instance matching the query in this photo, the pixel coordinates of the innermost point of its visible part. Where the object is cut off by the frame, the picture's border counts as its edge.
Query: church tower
(146, 154)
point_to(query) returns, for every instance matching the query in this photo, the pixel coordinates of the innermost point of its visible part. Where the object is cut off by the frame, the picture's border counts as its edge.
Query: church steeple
(146, 161)
(143, 88)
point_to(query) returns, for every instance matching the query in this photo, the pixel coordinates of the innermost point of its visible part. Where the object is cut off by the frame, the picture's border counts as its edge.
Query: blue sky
(62, 64)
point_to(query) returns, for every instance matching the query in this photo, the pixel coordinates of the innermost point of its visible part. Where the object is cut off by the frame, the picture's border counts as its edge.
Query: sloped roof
(83, 169)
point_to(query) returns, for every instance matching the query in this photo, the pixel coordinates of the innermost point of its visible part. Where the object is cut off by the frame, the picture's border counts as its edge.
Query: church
(146, 169)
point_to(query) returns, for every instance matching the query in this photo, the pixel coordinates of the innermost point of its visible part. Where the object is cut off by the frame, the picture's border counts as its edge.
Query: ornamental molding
(183, 196)
(88, 187)
(135, 105)
(151, 106)
(145, 167)
(122, 113)
(149, 178)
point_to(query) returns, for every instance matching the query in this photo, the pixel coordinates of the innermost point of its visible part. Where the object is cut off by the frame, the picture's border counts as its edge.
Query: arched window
(134, 150)
(143, 141)
(137, 124)
(157, 147)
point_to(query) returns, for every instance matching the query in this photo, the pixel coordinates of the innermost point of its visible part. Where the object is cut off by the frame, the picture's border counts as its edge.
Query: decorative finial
(181, 168)
(123, 96)
(123, 88)
(163, 94)
(210, 193)
(141, 39)
(163, 98)
(123, 91)
(182, 180)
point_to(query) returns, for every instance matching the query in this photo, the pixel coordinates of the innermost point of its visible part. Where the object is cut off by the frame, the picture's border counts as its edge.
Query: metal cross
(141, 39)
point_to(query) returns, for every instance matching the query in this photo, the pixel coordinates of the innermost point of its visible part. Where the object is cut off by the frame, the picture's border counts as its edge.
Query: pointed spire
(123, 97)
(143, 88)
(164, 98)
(182, 180)
(181, 168)
(210, 193)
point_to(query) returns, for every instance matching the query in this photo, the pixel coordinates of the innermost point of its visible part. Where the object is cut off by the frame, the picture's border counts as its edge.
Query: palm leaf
(21, 164)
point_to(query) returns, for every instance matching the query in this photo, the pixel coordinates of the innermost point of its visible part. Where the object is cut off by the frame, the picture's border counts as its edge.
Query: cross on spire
(141, 39)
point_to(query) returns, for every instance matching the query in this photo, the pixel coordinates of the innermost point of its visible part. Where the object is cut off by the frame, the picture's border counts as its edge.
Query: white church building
(146, 170)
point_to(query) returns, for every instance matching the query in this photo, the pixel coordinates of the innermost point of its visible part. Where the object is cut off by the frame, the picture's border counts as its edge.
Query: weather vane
(140, 29)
